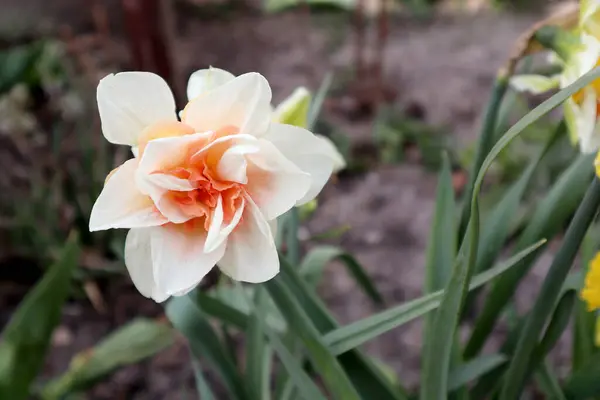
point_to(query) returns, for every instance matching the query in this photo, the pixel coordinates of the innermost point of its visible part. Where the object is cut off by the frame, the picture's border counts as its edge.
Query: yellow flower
(591, 290)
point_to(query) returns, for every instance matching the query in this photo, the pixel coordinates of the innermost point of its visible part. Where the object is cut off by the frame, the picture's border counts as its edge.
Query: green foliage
(290, 344)
(129, 344)
(26, 338)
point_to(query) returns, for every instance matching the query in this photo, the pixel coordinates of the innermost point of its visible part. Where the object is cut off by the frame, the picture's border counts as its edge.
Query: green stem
(546, 300)
(293, 244)
(486, 142)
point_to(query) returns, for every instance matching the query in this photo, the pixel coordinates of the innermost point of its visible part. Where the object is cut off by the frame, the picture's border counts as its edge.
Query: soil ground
(445, 64)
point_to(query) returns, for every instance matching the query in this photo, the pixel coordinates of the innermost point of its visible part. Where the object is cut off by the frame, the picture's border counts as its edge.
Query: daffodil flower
(204, 189)
(591, 290)
(580, 54)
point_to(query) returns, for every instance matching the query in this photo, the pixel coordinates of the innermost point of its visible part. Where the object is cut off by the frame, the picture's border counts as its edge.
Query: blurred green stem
(486, 142)
(292, 242)
(546, 300)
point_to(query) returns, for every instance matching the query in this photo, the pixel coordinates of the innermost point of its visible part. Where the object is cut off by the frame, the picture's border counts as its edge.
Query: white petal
(232, 166)
(243, 102)
(218, 232)
(251, 255)
(307, 151)
(138, 259)
(274, 182)
(329, 148)
(586, 122)
(535, 84)
(179, 259)
(205, 80)
(128, 102)
(122, 205)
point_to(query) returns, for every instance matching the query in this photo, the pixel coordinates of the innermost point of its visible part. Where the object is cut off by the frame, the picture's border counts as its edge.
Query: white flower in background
(581, 111)
(206, 189)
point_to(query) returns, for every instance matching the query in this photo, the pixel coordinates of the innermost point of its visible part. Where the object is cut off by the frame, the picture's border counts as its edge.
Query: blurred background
(409, 79)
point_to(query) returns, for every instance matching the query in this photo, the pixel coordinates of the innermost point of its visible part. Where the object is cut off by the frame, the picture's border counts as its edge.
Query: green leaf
(363, 373)
(495, 228)
(188, 319)
(129, 344)
(324, 362)
(584, 383)
(556, 327)
(315, 261)
(26, 338)
(441, 252)
(202, 386)
(357, 333)
(584, 320)
(485, 143)
(441, 249)
(548, 383)
(316, 105)
(548, 219)
(258, 354)
(472, 370)
(559, 269)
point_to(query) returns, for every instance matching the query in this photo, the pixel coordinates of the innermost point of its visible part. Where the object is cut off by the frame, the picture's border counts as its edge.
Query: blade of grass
(27, 336)
(357, 333)
(517, 370)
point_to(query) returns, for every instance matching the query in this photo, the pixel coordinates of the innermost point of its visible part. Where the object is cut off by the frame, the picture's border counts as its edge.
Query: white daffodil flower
(581, 56)
(205, 189)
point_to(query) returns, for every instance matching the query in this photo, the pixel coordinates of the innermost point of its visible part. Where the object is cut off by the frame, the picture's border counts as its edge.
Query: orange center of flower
(200, 168)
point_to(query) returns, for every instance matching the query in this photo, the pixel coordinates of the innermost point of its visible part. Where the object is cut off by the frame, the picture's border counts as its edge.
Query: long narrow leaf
(357, 333)
(548, 219)
(368, 378)
(202, 386)
(313, 264)
(441, 253)
(584, 383)
(549, 383)
(322, 359)
(26, 338)
(257, 352)
(517, 371)
(187, 318)
(473, 369)
(139, 339)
